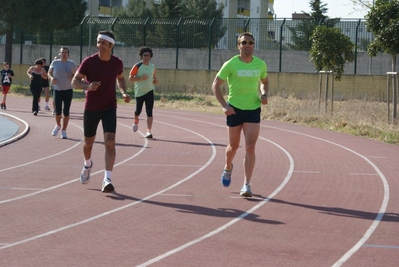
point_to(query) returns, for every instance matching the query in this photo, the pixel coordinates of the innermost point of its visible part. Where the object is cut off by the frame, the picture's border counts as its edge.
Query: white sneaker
(46, 108)
(63, 134)
(107, 186)
(135, 127)
(55, 131)
(85, 174)
(246, 191)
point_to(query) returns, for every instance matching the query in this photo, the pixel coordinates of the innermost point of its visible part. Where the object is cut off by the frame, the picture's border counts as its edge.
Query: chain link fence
(212, 36)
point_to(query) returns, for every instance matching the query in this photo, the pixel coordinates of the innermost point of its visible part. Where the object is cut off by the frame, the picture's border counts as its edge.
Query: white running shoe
(135, 127)
(107, 186)
(246, 190)
(85, 174)
(56, 130)
(148, 135)
(64, 135)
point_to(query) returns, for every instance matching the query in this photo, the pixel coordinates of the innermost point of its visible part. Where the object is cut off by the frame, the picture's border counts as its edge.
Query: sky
(336, 8)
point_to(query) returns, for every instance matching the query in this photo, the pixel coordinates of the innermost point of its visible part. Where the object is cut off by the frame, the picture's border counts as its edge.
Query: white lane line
(20, 188)
(233, 221)
(380, 246)
(307, 172)
(240, 197)
(163, 165)
(19, 136)
(125, 206)
(381, 211)
(176, 195)
(364, 174)
(44, 158)
(71, 181)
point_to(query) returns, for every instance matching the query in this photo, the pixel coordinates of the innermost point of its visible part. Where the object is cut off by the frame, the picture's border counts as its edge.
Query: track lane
(300, 206)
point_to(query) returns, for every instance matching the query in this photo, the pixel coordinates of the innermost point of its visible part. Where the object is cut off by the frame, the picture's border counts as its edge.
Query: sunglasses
(247, 42)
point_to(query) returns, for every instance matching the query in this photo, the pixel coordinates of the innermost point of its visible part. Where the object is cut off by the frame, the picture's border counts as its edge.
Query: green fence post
(21, 47)
(210, 43)
(51, 46)
(145, 31)
(177, 42)
(281, 46)
(81, 37)
(356, 43)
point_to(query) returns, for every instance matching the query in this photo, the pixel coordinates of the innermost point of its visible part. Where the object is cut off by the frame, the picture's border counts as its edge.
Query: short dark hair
(62, 48)
(245, 34)
(144, 49)
(43, 59)
(38, 62)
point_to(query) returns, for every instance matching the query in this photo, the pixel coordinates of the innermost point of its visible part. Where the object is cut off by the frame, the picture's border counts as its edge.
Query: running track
(320, 198)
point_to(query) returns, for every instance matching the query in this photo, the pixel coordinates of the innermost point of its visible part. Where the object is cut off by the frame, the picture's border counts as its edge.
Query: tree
(303, 31)
(361, 5)
(38, 16)
(330, 50)
(383, 22)
(130, 31)
(133, 9)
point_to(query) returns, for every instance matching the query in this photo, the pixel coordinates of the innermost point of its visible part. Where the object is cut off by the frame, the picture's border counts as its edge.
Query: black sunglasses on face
(247, 42)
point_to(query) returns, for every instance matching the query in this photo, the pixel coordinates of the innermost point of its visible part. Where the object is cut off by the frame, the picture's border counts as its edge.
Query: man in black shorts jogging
(96, 75)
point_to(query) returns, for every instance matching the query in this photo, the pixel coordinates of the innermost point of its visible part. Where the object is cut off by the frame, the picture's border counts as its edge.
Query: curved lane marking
(233, 221)
(381, 211)
(122, 207)
(19, 136)
(66, 183)
(362, 240)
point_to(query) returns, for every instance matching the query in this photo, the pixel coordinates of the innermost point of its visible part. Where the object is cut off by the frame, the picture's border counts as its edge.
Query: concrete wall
(281, 83)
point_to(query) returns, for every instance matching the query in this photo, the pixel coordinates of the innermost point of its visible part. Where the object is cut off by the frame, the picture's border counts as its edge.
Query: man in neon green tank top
(243, 73)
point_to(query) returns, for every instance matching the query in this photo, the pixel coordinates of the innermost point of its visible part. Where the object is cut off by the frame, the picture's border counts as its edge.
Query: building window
(271, 34)
(105, 3)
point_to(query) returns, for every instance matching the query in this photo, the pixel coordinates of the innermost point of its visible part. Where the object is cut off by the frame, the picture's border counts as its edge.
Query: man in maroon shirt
(96, 75)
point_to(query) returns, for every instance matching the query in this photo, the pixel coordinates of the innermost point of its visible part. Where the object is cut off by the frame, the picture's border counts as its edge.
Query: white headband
(107, 38)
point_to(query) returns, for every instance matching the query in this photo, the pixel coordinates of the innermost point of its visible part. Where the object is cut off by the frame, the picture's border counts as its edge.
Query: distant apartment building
(103, 8)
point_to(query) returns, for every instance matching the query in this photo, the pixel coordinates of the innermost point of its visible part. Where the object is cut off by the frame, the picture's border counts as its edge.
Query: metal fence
(178, 33)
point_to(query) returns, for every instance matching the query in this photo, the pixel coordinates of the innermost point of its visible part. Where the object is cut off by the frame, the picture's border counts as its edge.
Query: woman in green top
(242, 73)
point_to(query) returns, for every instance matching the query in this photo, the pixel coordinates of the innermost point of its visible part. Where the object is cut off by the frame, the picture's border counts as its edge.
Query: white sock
(46, 104)
(88, 162)
(107, 174)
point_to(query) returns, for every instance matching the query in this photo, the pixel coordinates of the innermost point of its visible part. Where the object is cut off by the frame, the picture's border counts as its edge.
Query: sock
(136, 122)
(107, 174)
(88, 162)
(46, 104)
